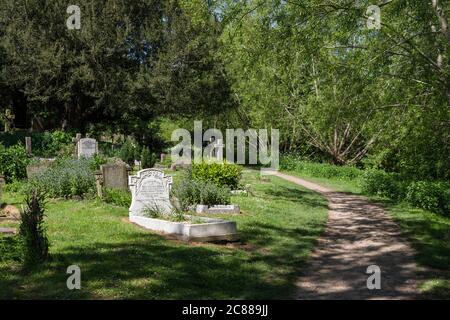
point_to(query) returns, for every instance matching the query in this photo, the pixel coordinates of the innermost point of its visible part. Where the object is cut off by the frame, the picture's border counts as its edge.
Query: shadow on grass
(426, 230)
(148, 267)
(294, 194)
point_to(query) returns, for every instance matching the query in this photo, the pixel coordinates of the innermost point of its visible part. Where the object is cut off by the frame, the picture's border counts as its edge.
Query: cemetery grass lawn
(119, 260)
(428, 232)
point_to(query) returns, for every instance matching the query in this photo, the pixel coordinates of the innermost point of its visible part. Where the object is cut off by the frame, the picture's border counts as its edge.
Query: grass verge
(119, 260)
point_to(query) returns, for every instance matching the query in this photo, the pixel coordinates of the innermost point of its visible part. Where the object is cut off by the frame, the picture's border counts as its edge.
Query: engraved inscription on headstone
(87, 147)
(150, 190)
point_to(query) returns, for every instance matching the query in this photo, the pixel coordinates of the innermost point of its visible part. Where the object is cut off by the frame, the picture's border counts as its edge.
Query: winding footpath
(358, 234)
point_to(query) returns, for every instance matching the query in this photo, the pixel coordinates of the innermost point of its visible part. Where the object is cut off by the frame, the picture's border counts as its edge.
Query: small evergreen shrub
(32, 229)
(221, 174)
(148, 159)
(117, 197)
(13, 162)
(432, 196)
(127, 153)
(45, 144)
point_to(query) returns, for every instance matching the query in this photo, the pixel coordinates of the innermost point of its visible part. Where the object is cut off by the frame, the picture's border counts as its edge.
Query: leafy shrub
(127, 152)
(148, 159)
(53, 143)
(32, 229)
(221, 174)
(13, 162)
(14, 186)
(96, 161)
(320, 170)
(66, 178)
(380, 183)
(212, 194)
(117, 197)
(433, 196)
(191, 192)
(46, 144)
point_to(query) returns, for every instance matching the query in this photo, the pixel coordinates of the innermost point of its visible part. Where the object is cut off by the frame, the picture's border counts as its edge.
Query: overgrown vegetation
(429, 195)
(192, 192)
(32, 229)
(44, 144)
(121, 198)
(13, 162)
(66, 178)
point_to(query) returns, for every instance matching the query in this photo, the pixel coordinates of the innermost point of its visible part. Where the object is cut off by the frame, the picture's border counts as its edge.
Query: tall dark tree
(129, 62)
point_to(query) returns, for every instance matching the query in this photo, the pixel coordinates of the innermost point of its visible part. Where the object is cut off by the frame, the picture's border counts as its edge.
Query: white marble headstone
(150, 189)
(87, 147)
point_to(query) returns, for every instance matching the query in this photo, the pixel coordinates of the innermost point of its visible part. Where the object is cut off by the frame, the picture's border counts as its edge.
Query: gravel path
(358, 234)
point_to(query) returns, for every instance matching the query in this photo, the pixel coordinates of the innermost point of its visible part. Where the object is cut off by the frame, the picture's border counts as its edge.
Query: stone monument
(150, 191)
(87, 147)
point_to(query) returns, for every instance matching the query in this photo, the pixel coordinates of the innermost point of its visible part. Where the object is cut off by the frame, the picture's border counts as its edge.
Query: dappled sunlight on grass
(120, 260)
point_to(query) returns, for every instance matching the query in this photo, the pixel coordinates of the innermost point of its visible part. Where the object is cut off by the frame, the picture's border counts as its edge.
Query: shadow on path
(358, 234)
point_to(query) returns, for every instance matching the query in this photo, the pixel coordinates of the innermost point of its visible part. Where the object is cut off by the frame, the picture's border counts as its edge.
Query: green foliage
(212, 194)
(148, 159)
(13, 162)
(221, 174)
(96, 161)
(11, 248)
(191, 192)
(153, 212)
(380, 183)
(167, 160)
(432, 196)
(44, 144)
(321, 170)
(32, 229)
(66, 178)
(53, 143)
(117, 197)
(127, 153)
(323, 83)
(14, 186)
(123, 68)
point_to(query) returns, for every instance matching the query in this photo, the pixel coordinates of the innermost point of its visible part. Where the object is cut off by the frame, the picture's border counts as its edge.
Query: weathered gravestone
(115, 176)
(150, 190)
(87, 147)
(38, 167)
